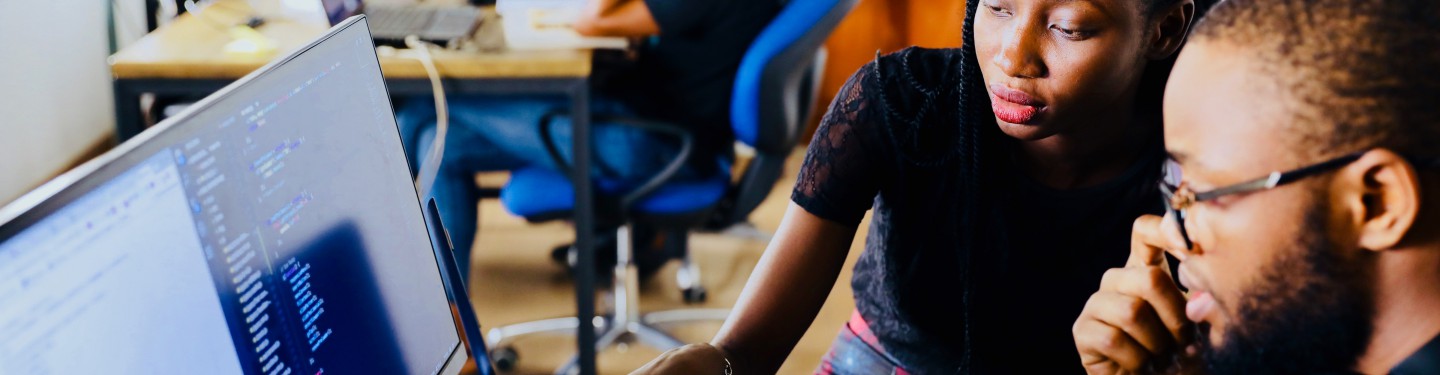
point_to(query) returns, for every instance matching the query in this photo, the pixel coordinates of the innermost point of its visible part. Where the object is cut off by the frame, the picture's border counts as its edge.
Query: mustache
(1308, 312)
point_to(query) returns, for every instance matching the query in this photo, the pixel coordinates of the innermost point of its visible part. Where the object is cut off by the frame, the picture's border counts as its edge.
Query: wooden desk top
(193, 47)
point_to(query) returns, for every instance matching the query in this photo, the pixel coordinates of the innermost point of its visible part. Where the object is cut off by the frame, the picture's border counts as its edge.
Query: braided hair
(979, 140)
(974, 111)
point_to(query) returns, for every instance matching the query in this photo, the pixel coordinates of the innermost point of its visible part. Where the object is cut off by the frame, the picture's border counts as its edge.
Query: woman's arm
(838, 182)
(785, 292)
(625, 18)
(779, 302)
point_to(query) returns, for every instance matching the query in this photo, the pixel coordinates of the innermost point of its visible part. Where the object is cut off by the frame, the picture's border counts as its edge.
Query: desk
(188, 57)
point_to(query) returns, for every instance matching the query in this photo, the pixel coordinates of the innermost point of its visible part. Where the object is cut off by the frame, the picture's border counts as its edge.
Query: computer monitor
(272, 228)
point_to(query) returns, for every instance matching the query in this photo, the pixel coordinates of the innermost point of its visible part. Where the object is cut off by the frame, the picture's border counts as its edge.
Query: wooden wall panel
(885, 26)
(936, 23)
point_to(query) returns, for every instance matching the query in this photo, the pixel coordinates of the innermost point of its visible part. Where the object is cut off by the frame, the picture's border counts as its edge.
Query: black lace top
(869, 153)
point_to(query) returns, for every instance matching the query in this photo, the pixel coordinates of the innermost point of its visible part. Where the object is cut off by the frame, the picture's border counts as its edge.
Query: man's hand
(697, 359)
(1139, 314)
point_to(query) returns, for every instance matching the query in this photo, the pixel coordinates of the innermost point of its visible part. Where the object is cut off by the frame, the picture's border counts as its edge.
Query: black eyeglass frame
(1178, 199)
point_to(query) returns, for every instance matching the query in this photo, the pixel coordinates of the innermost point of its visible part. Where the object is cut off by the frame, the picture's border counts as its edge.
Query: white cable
(429, 165)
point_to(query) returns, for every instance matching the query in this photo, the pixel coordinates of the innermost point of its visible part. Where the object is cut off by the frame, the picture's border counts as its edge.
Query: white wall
(55, 99)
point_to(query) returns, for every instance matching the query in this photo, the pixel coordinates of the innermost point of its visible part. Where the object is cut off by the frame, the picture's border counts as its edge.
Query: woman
(1004, 177)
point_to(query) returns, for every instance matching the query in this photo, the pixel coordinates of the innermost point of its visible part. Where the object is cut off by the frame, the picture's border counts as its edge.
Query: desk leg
(584, 226)
(128, 121)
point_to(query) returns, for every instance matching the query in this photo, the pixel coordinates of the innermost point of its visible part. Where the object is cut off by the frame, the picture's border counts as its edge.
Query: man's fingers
(1138, 312)
(1135, 317)
(1155, 286)
(1100, 345)
(1146, 242)
(1170, 234)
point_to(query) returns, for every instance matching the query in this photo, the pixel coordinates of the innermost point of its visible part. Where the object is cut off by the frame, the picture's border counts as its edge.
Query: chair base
(625, 325)
(647, 331)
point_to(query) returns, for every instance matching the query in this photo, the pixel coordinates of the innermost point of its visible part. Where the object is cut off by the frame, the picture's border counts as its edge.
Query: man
(1331, 265)
(684, 76)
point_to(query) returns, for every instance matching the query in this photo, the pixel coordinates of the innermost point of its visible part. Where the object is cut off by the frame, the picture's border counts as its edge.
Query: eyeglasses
(1179, 198)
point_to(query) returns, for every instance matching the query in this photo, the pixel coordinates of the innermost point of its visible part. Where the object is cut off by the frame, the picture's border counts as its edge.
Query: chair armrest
(687, 146)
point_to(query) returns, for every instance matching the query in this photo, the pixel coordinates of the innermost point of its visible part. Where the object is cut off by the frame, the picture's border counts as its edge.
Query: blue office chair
(774, 92)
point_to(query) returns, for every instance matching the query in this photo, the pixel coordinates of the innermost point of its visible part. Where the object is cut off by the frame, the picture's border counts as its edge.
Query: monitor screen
(271, 229)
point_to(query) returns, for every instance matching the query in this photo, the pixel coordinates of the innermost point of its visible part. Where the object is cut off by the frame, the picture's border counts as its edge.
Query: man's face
(1270, 290)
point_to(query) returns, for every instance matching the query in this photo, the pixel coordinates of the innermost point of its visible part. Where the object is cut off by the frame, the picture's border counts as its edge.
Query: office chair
(774, 92)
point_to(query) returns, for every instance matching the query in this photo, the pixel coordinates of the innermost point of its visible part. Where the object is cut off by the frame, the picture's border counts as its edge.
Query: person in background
(684, 75)
(1003, 177)
(1331, 264)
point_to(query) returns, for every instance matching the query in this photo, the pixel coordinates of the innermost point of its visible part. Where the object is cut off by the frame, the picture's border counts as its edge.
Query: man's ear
(1382, 192)
(1168, 29)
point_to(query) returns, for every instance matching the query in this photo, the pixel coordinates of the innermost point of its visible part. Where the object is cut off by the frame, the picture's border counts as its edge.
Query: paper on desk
(505, 7)
(246, 41)
(548, 24)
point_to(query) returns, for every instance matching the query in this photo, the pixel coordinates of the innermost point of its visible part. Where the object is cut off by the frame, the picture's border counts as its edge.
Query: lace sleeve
(844, 164)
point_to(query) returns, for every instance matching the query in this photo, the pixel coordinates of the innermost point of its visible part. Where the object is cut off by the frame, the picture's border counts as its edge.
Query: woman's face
(1052, 65)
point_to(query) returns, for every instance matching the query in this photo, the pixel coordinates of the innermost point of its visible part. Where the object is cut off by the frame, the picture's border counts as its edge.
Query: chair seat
(533, 192)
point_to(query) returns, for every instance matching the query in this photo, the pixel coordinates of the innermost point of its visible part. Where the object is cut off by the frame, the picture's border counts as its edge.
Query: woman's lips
(1013, 106)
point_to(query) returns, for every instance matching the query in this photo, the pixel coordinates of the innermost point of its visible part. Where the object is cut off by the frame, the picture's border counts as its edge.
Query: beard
(1311, 312)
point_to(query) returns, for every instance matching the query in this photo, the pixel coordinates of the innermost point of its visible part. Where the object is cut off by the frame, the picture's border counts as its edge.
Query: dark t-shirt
(686, 75)
(1425, 361)
(869, 152)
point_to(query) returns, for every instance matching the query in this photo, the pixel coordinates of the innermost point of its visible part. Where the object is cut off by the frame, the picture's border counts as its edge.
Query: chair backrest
(765, 107)
(772, 96)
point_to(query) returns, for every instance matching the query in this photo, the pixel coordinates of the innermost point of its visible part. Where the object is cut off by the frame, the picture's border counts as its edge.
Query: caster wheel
(694, 295)
(504, 358)
(564, 256)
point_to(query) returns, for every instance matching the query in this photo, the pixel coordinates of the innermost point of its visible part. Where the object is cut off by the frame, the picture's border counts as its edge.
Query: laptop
(391, 24)
(271, 228)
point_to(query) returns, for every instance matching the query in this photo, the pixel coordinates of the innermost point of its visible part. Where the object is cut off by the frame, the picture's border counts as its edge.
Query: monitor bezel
(56, 194)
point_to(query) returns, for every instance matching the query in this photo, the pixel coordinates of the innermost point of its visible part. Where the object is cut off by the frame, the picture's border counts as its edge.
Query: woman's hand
(780, 300)
(697, 359)
(1138, 316)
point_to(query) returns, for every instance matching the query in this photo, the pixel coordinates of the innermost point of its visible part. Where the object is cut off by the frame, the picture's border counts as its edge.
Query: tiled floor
(515, 281)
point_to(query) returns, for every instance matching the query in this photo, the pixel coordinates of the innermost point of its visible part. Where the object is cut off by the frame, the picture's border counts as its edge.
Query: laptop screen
(272, 229)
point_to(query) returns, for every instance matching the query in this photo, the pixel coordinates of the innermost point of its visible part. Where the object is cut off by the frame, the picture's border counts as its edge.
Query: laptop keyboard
(453, 20)
(400, 20)
(429, 23)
